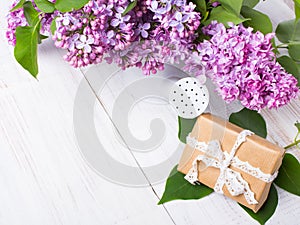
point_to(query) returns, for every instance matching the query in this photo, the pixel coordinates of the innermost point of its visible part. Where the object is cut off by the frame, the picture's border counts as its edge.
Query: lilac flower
(179, 21)
(160, 8)
(72, 41)
(143, 29)
(119, 19)
(84, 43)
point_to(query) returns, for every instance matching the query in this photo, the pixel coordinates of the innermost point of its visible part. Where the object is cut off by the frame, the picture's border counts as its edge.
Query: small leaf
(288, 31)
(32, 16)
(294, 50)
(179, 188)
(18, 6)
(289, 175)
(251, 120)
(290, 66)
(250, 3)
(53, 26)
(233, 6)
(259, 21)
(69, 5)
(130, 7)
(223, 16)
(26, 48)
(45, 6)
(185, 127)
(267, 210)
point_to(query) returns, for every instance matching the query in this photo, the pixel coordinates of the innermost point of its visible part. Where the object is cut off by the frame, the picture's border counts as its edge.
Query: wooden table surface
(48, 176)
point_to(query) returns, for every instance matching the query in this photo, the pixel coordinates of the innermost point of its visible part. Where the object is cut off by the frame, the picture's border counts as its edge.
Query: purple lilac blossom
(243, 66)
(115, 36)
(14, 19)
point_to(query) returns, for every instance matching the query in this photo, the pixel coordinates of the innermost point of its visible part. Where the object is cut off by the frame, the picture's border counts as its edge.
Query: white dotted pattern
(189, 97)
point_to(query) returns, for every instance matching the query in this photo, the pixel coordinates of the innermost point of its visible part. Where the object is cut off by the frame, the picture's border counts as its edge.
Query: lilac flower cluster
(153, 33)
(244, 67)
(14, 19)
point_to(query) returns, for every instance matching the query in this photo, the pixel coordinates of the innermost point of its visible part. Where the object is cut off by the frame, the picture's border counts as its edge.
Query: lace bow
(233, 180)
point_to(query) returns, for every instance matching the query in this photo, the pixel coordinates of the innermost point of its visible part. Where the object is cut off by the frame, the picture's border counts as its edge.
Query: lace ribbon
(233, 180)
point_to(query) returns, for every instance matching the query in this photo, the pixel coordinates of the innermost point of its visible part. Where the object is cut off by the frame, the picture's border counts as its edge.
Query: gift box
(235, 162)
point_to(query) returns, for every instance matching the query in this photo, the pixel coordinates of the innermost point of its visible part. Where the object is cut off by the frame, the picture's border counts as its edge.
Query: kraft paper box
(258, 152)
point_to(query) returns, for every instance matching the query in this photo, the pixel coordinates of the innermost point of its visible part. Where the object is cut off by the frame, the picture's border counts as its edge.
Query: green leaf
(185, 127)
(297, 9)
(27, 39)
(179, 188)
(45, 6)
(53, 26)
(290, 66)
(130, 7)
(233, 6)
(41, 38)
(69, 5)
(250, 3)
(289, 175)
(18, 6)
(294, 50)
(251, 120)
(267, 210)
(26, 48)
(288, 31)
(259, 21)
(32, 16)
(200, 6)
(223, 16)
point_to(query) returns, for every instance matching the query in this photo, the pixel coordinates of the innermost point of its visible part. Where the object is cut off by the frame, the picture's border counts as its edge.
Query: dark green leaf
(289, 175)
(53, 26)
(223, 16)
(179, 188)
(18, 6)
(251, 120)
(32, 16)
(200, 6)
(290, 66)
(294, 50)
(267, 210)
(26, 48)
(259, 21)
(288, 31)
(41, 37)
(130, 7)
(185, 127)
(45, 6)
(233, 6)
(69, 5)
(250, 3)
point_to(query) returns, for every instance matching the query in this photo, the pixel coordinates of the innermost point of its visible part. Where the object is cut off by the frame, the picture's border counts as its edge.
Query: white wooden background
(44, 178)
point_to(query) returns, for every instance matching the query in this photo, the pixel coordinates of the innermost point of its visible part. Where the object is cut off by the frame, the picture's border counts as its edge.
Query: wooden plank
(44, 178)
(214, 209)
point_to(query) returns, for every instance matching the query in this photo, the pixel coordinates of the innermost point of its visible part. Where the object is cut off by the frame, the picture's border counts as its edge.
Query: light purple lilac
(243, 66)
